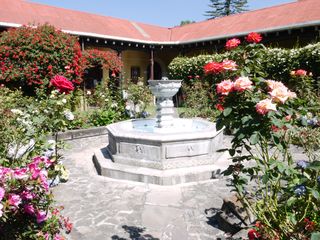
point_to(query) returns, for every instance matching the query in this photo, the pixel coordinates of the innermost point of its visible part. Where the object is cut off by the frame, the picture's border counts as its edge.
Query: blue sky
(166, 13)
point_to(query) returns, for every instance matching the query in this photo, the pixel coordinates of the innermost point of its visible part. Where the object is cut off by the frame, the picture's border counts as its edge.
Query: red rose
(219, 107)
(232, 43)
(253, 234)
(62, 84)
(254, 37)
(213, 68)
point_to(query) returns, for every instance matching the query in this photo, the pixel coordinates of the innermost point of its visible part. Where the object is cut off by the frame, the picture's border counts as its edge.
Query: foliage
(220, 8)
(272, 63)
(24, 176)
(107, 59)
(31, 56)
(264, 118)
(186, 22)
(197, 100)
(138, 98)
(26, 210)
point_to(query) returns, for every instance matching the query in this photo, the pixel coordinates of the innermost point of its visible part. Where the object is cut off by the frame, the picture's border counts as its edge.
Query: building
(146, 50)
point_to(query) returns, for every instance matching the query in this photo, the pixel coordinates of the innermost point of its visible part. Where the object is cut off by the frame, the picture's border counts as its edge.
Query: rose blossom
(41, 216)
(213, 68)
(229, 65)
(254, 37)
(281, 94)
(14, 200)
(62, 84)
(299, 72)
(274, 84)
(225, 87)
(264, 106)
(232, 43)
(242, 84)
(219, 107)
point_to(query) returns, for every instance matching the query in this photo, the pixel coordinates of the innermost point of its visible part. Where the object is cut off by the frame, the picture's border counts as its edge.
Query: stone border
(82, 133)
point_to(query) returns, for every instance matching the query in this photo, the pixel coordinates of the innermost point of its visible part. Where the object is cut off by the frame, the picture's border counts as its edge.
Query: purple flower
(302, 164)
(29, 209)
(1, 212)
(14, 200)
(41, 216)
(300, 190)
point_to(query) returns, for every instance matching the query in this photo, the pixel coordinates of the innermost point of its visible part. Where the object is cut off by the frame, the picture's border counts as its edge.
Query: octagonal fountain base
(185, 152)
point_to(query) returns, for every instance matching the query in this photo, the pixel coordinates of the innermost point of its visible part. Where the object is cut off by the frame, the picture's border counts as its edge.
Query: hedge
(276, 63)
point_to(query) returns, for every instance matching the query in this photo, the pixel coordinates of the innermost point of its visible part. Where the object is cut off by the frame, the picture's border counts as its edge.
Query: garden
(266, 98)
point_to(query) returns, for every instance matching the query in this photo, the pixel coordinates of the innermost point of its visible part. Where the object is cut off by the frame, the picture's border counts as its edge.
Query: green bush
(272, 63)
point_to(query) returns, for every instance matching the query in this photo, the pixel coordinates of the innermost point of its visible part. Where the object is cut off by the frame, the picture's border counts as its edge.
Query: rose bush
(264, 117)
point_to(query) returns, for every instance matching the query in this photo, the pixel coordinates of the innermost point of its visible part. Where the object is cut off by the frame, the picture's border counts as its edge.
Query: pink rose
(229, 65)
(14, 200)
(254, 37)
(41, 216)
(2, 192)
(281, 94)
(299, 72)
(62, 84)
(232, 43)
(242, 83)
(213, 68)
(225, 87)
(274, 84)
(265, 106)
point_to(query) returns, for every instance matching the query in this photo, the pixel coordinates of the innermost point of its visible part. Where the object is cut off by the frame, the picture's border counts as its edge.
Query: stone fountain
(164, 150)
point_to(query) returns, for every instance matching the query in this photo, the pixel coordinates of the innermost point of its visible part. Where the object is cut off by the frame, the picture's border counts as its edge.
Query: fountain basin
(189, 142)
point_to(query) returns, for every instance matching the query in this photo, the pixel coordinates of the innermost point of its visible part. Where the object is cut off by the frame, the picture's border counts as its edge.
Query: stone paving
(103, 208)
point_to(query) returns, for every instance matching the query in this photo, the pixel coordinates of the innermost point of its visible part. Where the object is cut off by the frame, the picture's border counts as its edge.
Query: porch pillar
(151, 65)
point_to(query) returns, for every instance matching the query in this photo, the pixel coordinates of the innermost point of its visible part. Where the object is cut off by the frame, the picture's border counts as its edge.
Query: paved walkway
(102, 208)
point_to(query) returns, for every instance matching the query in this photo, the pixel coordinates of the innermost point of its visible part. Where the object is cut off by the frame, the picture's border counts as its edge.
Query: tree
(185, 22)
(221, 8)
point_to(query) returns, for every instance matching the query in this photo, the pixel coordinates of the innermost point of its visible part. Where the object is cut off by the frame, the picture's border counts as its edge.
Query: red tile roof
(296, 14)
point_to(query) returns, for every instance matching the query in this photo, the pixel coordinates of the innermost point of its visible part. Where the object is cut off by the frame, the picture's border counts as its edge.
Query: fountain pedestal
(164, 90)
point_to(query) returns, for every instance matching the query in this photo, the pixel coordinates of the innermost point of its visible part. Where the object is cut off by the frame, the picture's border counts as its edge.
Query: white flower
(68, 115)
(64, 100)
(17, 111)
(88, 92)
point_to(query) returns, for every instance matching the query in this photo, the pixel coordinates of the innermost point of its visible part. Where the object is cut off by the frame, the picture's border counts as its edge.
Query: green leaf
(314, 165)
(315, 193)
(232, 152)
(315, 236)
(254, 138)
(291, 201)
(227, 111)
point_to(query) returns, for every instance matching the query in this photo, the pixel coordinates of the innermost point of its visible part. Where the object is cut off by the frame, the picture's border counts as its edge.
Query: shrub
(31, 56)
(265, 117)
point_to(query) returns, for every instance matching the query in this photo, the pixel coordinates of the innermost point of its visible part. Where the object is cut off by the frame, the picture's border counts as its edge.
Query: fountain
(164, 150)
